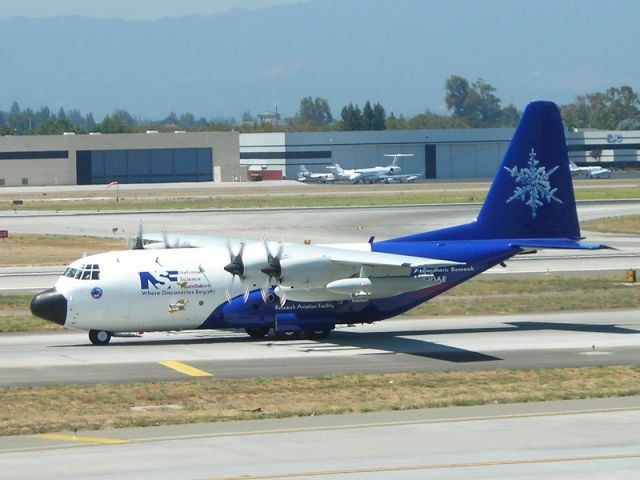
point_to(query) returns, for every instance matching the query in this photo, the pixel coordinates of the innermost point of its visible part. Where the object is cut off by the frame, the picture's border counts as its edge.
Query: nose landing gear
(99, 337)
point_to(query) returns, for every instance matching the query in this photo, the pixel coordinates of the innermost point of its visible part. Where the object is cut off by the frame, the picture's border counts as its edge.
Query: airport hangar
(437, 154)
(95, 159)
(226, 156)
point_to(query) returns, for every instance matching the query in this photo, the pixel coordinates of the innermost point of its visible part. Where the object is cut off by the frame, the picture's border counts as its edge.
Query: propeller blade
(245, 297)
(236, 265)
(138, 243)
(227, 294)
(283, 300)
(273, 268)
(264, 292)
(280, 249)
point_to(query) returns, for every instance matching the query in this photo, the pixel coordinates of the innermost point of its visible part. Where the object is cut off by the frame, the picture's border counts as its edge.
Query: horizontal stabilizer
(562, 244)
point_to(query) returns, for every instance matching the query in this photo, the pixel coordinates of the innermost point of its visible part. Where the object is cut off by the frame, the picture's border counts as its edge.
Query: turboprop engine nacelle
(378, 287)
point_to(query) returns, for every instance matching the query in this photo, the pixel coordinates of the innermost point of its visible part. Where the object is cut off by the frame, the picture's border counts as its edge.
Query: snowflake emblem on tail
(532, 184)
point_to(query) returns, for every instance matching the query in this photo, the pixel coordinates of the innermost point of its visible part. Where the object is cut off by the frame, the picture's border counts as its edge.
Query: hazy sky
(218, 63)
(128, 9)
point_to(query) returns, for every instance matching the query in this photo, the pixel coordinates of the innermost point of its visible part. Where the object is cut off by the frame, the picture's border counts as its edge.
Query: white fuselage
(179, 288)
(590, 172)
(317, 177)
(139, 287)
(373, 174)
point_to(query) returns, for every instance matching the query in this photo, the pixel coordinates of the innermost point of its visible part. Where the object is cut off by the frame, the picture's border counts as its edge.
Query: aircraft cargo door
(430, 161)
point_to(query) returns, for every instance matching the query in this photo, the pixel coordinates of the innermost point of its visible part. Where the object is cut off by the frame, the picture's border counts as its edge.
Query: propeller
(273, 270)
(236, 268)
(138, 242)
(167, 244)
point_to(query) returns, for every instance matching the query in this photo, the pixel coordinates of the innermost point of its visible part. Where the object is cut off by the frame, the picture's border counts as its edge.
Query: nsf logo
(158, 280)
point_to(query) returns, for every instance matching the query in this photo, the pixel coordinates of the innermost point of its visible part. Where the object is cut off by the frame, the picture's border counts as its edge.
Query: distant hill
(396, 52)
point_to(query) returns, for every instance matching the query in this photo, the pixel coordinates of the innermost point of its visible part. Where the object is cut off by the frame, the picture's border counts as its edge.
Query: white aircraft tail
(396, 156)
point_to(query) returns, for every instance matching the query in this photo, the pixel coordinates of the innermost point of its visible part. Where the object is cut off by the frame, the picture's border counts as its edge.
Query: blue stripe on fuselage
(477, 256)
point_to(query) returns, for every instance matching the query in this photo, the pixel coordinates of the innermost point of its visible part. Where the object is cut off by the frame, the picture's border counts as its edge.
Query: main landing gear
(315, 334)
(257, 332)
(99, 337)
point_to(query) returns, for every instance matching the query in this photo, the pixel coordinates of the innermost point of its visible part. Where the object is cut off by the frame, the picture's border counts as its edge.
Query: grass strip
(66, 407)
(342, 195)
(23, 250)
(540, 293)
(297, 200)
(629, 224)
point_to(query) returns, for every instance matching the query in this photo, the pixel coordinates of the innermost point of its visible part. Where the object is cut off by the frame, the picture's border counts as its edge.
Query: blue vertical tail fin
(532, 193)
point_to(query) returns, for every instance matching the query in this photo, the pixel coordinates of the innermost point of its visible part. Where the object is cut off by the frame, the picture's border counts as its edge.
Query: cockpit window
(85, 272)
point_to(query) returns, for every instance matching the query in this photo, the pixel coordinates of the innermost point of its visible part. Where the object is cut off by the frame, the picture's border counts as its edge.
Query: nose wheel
(99, 337)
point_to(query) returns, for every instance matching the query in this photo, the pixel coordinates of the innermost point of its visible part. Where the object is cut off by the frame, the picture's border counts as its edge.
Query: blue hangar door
(158, 165)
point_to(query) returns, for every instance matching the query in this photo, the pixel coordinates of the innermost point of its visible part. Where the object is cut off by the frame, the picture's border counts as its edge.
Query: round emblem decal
(96, 292)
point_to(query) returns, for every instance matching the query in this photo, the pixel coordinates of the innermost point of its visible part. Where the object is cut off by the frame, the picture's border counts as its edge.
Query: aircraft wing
(381, 260)
(359, 275)
(339, 255)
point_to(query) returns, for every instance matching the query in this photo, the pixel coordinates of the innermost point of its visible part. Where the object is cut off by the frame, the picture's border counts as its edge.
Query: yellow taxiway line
(186, 369)
(72, 438)
(445, 466)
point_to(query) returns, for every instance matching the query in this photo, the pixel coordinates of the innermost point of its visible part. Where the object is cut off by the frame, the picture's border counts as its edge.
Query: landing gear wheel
(257, 332)
(318, 333)
(99, 337)
(288, 335)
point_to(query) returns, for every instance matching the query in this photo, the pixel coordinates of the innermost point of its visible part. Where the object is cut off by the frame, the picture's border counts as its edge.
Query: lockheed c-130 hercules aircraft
(309, 289)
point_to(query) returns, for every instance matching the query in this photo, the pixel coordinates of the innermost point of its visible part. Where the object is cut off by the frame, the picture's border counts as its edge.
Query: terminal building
(228, 156)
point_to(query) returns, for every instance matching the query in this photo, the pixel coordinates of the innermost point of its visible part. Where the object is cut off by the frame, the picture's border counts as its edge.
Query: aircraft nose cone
(50, 305)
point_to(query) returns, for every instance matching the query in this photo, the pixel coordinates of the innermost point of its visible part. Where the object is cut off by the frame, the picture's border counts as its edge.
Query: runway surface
(399, 345)
(586, 439)
(316, 224)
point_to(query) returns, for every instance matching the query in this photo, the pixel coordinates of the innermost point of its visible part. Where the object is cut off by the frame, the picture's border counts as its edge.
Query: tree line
(470, 105)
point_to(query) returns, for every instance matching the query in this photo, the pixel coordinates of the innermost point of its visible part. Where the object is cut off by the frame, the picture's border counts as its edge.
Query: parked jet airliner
(296, 289)
(378, 174)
